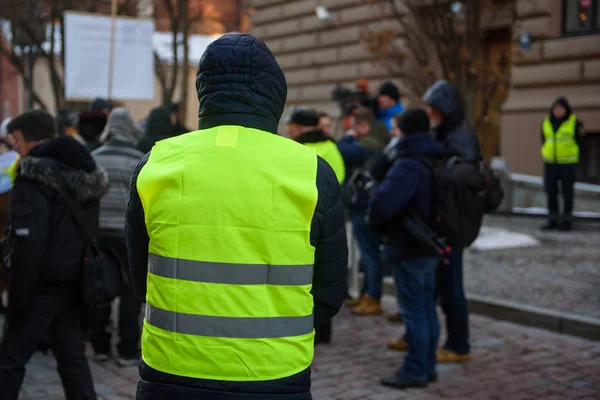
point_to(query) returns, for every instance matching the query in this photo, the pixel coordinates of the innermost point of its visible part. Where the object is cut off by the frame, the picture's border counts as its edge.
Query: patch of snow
(544, 211)
(497, 238)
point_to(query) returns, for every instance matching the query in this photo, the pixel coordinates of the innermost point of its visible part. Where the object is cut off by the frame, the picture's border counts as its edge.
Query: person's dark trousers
(129, 311)
(566, 175)
(451, 295)
(54, 315)
(368, 244)
(323, 332)
(415, 284)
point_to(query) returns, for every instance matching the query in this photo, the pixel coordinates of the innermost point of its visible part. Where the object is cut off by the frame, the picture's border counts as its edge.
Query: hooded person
(445, 108)
(47, 251)
(236, 240)
(449, 124)
(119, 156)
(561, 143)
(158, 126)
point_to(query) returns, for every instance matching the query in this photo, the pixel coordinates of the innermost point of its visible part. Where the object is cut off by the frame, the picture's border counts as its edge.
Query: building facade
(563, 60)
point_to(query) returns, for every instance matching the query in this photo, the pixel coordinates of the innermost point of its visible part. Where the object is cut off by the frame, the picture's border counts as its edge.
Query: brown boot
(448, 356)
(398, 345)
(368, 306)
(353, 301)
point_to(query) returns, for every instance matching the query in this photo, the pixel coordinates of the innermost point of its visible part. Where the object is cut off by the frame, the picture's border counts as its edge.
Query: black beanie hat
(413, 120)
(389, 89)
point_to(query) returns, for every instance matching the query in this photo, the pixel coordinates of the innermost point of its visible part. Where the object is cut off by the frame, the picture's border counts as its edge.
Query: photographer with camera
(407, 187)
(357, 148)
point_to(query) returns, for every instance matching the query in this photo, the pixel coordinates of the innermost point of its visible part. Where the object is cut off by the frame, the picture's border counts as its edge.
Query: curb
(552, 320)
(538, 317)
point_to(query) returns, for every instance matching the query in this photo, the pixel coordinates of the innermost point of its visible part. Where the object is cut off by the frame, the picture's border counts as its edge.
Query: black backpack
(101, 265)
(494, 193)
(458, 203)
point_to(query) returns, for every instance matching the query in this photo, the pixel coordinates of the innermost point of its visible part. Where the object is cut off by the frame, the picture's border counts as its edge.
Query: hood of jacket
(445, 97)
(120, 127)
(565, 103)
(419, 144)
(240, 83)
(65, 156)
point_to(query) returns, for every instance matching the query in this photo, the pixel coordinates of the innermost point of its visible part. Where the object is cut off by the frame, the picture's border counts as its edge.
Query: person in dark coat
(407, 188)
(561, 158)
(91, 125)
(47, 252)
(448, 121)
(356, 155)
(158, 127)
(449, 124)
(178, 127)
(239, 83)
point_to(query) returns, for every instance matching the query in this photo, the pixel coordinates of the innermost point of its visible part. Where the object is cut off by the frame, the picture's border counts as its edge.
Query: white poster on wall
(88, 57)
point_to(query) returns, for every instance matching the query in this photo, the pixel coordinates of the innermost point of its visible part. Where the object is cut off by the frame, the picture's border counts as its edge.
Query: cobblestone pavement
(510, 362)
(562, 274)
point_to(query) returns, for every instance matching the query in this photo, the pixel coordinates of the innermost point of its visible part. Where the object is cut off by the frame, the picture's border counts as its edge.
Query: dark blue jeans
(368, 244)
(415, 283)
(450, 292)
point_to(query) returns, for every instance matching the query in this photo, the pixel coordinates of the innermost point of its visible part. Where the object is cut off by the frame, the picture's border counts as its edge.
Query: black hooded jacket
(454, 131)
(557, 122)
(48, 245)
(240, 83)
(158, 127)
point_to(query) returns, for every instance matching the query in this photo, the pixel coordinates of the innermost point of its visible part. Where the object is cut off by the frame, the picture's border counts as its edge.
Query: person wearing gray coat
(118, 156)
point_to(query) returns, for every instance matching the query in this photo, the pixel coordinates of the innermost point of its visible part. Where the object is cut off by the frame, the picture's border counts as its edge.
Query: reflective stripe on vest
(329, 152)
(228, 212)
(229, 327)
(232, 274)
(560, 147)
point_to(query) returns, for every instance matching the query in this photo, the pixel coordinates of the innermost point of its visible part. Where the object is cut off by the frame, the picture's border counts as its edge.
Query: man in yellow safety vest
(561, 139)
(236, 241)
(303, 128)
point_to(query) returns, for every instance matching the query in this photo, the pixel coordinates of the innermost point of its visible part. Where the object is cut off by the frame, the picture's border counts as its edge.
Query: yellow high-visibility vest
(228, 212)
(329, 152)
(560, 147)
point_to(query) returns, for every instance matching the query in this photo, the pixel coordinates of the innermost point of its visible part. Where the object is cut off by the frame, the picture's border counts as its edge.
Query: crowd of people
(233, 235)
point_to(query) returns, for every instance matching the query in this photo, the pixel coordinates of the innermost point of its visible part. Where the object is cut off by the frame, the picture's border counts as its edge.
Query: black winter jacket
(158, 127)
(240, 83)
(47, 245)
(454, 131)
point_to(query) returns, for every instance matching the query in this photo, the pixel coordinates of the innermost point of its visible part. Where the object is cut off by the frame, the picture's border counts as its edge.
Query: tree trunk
(184, 13)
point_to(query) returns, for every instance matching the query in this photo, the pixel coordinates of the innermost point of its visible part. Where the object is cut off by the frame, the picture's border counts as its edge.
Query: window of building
(581, 16)
(589, 167)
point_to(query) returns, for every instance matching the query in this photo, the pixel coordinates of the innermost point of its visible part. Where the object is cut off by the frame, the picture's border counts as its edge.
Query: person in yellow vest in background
(561, 137)
(303, 128)
(236, 241)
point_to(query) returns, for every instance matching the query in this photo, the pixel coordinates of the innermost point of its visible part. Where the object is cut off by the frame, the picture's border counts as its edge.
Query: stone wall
(315, 54)
(554, 66)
